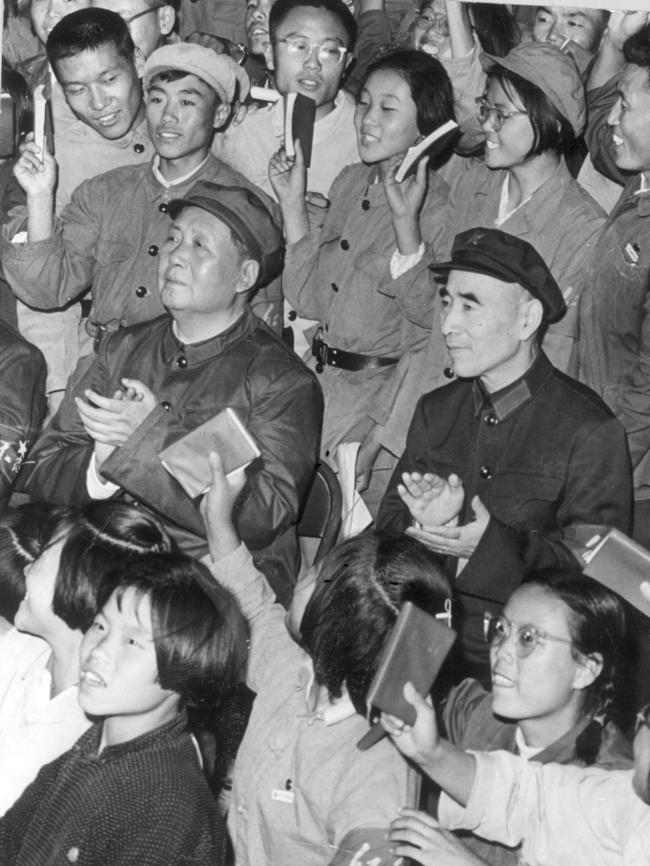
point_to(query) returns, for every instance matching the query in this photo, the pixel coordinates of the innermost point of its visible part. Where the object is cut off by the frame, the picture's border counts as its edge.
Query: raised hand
(35, 170)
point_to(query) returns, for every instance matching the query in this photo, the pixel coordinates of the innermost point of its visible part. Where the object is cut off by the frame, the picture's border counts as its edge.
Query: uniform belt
(328, 355)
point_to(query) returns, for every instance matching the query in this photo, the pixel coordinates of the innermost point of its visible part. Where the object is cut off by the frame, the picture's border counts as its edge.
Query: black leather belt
(328, 355)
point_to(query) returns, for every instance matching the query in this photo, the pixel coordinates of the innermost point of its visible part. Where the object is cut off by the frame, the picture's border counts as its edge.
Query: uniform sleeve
(270, 643)
(634, 408)
(50, 273)
(22, 407)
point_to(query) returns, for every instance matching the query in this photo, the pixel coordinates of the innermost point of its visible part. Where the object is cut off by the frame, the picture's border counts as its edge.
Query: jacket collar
(510, 399)
(88, 744)
(541, 208)
(156, 190)
(173, 350)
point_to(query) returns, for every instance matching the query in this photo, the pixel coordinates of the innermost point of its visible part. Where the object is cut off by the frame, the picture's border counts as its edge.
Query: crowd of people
(176, 685)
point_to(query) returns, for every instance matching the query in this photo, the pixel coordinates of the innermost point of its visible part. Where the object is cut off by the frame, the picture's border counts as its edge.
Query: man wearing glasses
(309, 50)
(502, 462)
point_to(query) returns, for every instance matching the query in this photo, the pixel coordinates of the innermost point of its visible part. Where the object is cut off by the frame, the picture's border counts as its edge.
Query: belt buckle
(319, 351)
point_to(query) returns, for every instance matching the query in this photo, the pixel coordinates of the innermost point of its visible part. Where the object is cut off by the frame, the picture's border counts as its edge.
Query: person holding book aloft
(342, 273)
(302, 791)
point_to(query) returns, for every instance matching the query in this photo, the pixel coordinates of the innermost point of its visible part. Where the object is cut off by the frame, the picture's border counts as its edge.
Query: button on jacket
(556, 458)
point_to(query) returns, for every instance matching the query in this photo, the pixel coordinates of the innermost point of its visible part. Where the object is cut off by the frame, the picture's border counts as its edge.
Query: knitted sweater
(142, 802)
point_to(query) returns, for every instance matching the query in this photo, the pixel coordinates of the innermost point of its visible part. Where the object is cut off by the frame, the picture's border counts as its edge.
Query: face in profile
(35, 614)
(629, 120)
(103, 89)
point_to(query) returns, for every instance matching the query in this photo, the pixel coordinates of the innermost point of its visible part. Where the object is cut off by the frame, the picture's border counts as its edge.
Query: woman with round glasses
(531, 113)
(555, 656)
(340, 274)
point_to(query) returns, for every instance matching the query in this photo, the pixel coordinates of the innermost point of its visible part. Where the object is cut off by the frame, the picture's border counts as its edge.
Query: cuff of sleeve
(400, 264)
(96, 486)
(19, 238)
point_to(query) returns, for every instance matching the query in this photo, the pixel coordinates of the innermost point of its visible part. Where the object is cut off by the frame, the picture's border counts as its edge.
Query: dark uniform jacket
(246, 368)
(22, 403)
(143, 802)
(543, 454)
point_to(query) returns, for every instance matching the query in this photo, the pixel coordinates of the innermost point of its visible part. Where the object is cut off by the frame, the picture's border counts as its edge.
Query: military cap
(506, 257)
(248, 217)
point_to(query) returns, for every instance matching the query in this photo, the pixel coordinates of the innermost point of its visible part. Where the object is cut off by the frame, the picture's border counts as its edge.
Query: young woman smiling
(340, 274)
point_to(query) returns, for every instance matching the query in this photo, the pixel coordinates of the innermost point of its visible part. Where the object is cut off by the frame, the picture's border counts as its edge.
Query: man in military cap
(500, 463)
(152, 383)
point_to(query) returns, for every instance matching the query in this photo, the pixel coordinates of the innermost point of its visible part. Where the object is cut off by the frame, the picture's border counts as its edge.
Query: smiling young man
(152, 383)
(99, 239)
(500, 464)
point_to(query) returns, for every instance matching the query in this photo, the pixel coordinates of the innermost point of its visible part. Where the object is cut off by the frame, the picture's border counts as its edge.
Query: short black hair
(25, 531)
(636, 49)
(281, 9)
(87, 30)
(428, 82)
(551, 130)
(360, 588)
(107, 533)
(199, 632)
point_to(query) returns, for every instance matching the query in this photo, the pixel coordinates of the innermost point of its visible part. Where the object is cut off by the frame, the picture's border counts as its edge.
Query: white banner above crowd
(586, 4)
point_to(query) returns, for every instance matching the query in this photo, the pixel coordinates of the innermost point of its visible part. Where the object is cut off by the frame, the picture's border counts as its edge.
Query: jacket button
(319, 367)
(138, 148)
(141, 291)
(292, 315)
(491, 420)
(163, 207)
(345, 244)
(365, 204)
(166, 405)
(448, 373)
(485, 472)
(153, 250)
(182, 362)
(335, 288)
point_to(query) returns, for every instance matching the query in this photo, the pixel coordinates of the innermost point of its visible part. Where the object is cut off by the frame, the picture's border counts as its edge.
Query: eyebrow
(295, 35)
(189, 91)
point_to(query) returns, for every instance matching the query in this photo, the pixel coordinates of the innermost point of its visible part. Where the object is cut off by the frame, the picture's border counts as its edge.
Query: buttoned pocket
(525, 500)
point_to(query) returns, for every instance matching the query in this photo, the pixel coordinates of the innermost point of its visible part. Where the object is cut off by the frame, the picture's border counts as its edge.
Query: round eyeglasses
(642, 719)
(300, 48)
(498, 629)
(486, 112)
(439, 20)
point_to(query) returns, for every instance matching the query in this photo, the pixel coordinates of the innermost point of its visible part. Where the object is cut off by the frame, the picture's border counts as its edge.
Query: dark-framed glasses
(486, 112)
(498, 628)
(329, 53)
(642, 719)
